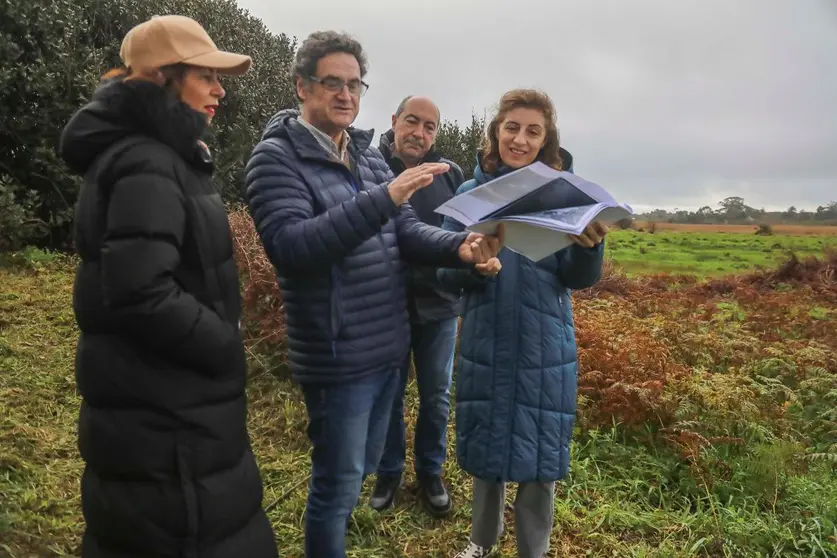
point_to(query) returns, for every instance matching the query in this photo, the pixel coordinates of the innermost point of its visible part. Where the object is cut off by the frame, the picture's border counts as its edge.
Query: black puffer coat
(160, 363)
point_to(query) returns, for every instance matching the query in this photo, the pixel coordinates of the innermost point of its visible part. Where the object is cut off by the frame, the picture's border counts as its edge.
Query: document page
(477, 204)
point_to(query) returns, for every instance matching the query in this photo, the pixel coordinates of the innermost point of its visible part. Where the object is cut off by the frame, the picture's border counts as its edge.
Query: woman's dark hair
(320, 44)
(115, 73)
(173, 74)
(523, 98)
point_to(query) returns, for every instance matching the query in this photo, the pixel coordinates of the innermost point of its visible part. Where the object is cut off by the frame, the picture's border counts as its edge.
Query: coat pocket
(189, 548)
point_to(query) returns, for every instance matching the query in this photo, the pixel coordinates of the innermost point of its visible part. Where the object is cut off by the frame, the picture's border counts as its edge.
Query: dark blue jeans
(347, 426)
(433, 346)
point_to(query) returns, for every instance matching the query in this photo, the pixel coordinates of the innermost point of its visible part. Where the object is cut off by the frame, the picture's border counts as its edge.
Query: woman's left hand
(592, 235)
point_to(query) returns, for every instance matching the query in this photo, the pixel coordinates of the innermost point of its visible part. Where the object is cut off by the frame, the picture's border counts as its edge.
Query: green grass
(628, 495)
(39, 465)
(707, 254)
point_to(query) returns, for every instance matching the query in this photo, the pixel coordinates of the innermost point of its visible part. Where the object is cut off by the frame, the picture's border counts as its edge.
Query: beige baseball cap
(174, 39)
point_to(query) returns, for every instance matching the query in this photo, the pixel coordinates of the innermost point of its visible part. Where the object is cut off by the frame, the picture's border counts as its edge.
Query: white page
(531, 241)
(609, 215)
(537, 237)
(474, 205)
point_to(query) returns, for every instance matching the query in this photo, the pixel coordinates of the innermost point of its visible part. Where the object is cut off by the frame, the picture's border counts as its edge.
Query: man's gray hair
(403, 104)
(320, 44)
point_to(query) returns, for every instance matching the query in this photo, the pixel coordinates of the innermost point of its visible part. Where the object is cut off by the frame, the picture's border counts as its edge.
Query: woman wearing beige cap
(160, 362)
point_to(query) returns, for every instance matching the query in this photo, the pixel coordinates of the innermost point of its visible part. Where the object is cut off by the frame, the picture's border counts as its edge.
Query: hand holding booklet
(538, 205)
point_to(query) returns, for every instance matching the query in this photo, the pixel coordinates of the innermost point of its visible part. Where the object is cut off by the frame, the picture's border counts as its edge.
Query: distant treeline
(733, 211)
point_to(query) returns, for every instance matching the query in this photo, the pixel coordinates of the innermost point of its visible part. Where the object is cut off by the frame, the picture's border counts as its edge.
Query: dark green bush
(51, 65)
(460, 145)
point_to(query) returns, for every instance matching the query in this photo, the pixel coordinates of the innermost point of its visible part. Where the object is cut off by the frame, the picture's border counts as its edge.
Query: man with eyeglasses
(433, 320)
(339, 230)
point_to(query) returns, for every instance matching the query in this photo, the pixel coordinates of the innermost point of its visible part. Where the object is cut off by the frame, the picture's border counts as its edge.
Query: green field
(707, 254)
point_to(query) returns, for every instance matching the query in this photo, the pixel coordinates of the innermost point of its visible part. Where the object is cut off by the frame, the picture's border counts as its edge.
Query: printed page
(527, 191)
(594, 191)
(477, 204)
(569, 219)
(572, 220)
(558, 193)
(537, 235)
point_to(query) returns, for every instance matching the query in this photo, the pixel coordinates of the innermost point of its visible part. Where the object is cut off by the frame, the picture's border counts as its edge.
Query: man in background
(433, 320)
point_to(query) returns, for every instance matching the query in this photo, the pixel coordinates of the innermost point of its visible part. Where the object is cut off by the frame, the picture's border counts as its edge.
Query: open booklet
(539, 207)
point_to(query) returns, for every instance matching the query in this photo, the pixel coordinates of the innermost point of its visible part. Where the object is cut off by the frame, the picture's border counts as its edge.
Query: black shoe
(383, 496)
(434, 495)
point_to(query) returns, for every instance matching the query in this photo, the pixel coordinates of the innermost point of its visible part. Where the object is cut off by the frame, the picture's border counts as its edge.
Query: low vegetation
(707, 253)
(707, 420)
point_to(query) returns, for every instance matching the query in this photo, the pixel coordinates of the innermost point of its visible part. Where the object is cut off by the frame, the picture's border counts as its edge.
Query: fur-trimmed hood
(123, 107)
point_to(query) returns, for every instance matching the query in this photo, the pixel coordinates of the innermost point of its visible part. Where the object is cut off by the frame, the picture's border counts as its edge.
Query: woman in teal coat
(516, 382)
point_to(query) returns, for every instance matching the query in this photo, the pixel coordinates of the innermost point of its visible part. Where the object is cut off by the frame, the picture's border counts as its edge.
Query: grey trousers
(534, 506)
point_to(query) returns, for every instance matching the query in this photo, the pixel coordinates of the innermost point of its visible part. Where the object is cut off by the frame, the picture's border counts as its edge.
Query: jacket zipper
(336, 317)
(355, 182)
(336, 314)
(514, 355)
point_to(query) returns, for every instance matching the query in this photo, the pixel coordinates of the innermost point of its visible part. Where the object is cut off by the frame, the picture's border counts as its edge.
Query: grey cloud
(665, 103)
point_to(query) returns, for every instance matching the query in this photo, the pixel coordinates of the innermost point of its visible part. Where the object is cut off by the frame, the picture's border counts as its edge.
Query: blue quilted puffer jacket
(516, 385)
(340, 247)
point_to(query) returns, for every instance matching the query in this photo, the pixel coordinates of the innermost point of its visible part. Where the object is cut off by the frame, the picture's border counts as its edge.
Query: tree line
(52, 65)
(733, 210)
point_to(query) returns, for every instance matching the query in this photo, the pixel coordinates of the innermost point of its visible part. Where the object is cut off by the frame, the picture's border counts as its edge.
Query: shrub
(53, 65)
(460, 144)
(264, 315)
(18, 221)
(625, 224)
(764, 230)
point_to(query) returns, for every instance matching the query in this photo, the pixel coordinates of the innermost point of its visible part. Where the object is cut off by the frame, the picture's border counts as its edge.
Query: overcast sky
(664, 103)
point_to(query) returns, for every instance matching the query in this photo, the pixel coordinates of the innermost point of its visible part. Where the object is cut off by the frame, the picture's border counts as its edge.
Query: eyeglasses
(333, 84)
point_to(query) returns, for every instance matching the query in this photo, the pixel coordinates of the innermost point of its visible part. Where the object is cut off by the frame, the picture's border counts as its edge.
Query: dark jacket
(427, 299)
(339, 245)
(160, 363)
(517, 376)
